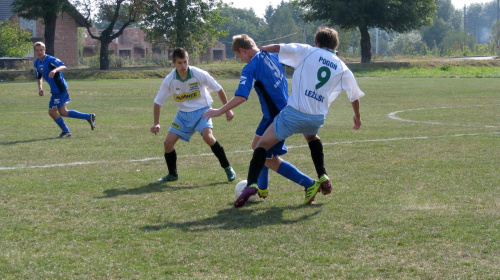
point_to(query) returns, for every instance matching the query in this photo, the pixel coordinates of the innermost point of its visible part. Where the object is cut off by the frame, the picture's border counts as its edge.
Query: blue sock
(77, 115)
(61, 124)
(291, 172)
(263, 181)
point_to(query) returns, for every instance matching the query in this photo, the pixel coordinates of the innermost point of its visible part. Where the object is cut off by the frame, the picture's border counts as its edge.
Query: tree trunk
(104, 56)
(49, 33)
(105, 39)
(366, 47)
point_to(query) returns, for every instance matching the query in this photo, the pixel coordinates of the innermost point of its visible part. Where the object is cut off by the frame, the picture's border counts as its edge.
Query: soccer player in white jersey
(50, 68)
(318, 78)
(190, 88)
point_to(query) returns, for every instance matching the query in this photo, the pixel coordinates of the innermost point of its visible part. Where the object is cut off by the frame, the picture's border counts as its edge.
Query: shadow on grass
(150, 188)
(25, 141)
(233, 218)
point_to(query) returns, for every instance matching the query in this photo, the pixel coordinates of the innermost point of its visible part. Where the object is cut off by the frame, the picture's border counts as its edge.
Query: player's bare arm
(156, 125)
(357, 116)
(234, 102)
(40, 89)
(273, 48)
(223, 99)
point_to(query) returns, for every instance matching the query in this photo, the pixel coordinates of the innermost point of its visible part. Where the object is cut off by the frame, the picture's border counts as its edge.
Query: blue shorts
(57, 100)
(290, 121)
(277, 150)
(186, 123)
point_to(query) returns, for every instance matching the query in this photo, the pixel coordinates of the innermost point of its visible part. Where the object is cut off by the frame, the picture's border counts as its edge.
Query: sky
(259, 6)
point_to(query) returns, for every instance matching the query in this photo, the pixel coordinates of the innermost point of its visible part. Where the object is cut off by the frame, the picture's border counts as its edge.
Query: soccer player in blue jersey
(190, 88)
(266, 75)
(50, 68)
(318, 79)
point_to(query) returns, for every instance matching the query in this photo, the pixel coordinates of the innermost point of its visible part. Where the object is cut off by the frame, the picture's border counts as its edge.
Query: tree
(282, 27)
(445, 10)
(241, 21)
(101, 20)
(389, 15)
(14, 42)
(495, 36)
(434, 35)
(191, 24)
(124, 12)
(47, 10)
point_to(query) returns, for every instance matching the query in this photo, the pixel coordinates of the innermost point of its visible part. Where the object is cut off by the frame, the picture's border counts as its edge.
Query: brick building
(130, 44)
(66, 37)
(133, 45)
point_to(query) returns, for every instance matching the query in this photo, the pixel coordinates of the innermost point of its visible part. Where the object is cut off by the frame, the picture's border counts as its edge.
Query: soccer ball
(239, 188)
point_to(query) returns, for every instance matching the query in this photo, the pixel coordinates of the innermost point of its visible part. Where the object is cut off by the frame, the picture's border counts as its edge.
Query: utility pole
(465, 16)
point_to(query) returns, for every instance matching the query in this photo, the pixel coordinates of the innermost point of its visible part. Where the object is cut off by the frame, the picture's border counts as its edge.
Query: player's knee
(169, 146)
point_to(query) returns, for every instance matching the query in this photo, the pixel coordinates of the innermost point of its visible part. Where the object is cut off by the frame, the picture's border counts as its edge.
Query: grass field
(416, 189)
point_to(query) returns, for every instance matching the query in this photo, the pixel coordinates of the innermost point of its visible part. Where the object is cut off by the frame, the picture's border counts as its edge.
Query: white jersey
(190, 94)
(318, 78)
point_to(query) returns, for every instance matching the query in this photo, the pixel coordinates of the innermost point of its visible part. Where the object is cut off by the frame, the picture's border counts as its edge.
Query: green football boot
(311, 192)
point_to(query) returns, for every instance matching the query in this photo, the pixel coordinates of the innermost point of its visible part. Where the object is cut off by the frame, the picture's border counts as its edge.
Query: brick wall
(66, 39)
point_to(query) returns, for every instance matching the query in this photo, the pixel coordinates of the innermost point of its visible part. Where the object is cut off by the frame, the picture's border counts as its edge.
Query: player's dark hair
(327, 37)
(180, 53)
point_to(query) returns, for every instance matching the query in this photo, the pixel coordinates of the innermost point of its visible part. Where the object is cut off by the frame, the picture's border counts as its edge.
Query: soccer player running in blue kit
(50, 68)
(190, 88)
(266, 75)
(318, 78)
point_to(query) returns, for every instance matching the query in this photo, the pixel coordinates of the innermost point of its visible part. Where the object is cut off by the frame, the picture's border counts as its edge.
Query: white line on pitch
(393, 116)
(245, 151)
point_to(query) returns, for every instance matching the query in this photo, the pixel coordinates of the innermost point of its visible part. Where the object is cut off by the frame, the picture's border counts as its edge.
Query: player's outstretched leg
(311, 192)
(263, 182)
(231, 175)
(92, 121)
(326, 185)
(247, 192)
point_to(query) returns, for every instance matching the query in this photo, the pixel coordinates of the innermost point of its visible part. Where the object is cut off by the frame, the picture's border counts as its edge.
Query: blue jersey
(43, 68)
(266, 75)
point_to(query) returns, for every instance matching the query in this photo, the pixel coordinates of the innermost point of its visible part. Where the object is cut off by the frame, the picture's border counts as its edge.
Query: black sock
(256, 165)
(317, 156)
(218, 151)
(171, 159)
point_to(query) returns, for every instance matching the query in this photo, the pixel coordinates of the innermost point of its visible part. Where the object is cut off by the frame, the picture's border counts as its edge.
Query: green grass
(415, 196)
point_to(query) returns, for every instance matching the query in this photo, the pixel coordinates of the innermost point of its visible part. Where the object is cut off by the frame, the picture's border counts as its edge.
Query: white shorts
(290, 121)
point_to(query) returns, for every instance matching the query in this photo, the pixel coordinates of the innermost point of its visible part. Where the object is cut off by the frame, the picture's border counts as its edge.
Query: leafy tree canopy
(389, 15)
(122, 12)
(14, 42)
(191, 24)
(48, 11)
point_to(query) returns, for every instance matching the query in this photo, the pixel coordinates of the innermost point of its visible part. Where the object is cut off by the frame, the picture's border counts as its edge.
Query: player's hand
(357, 122)
(52, 73)
(155, 128)
(229, 115)
(211, 113)
(40, 92)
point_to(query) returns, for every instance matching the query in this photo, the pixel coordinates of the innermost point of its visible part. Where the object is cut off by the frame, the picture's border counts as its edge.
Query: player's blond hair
(327, 37)
(39, 44)
(243, 41)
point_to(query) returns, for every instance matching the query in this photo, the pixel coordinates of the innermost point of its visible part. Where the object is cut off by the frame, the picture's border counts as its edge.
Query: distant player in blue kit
(266, 75)
(190, 88)
(318, 79)
(50, 68)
